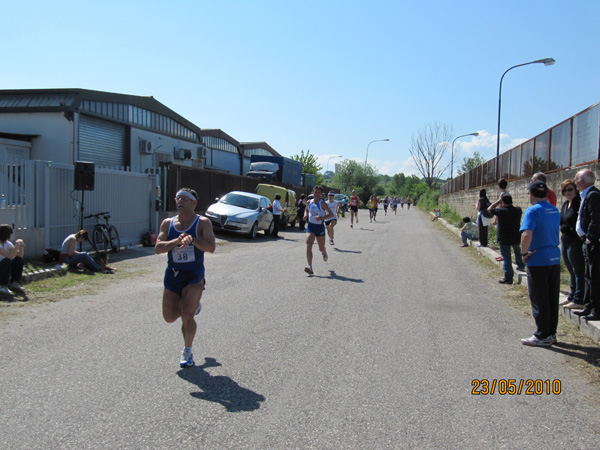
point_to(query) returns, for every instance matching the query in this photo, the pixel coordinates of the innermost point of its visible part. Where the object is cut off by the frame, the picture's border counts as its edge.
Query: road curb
(37, 275)
(590, 329)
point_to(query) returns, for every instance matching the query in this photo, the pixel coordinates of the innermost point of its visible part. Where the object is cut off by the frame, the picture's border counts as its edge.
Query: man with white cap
(185, 238)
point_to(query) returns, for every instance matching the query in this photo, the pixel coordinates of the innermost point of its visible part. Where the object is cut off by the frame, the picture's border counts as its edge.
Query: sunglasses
(568, 190)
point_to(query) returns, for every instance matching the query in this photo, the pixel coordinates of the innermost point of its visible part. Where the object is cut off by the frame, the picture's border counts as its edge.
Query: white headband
(185, 194)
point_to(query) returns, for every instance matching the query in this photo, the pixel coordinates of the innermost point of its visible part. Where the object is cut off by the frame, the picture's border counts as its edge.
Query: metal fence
(40, 194)
(571, 143)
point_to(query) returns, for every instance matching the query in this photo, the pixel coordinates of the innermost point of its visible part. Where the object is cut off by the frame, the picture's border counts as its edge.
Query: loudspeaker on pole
(85, 173)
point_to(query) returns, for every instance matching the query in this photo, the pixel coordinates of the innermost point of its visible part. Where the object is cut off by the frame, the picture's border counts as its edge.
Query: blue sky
(324, 76)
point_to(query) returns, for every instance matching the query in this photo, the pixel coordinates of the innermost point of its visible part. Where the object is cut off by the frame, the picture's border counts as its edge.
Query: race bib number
(184, 255)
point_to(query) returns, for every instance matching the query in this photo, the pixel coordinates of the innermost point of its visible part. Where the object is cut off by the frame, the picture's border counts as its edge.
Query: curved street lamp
(376, 140)
(452, 160)
(546, 62)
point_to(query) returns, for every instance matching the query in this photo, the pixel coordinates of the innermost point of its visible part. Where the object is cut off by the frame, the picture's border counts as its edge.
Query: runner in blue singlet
(315, 214)
(185, 238)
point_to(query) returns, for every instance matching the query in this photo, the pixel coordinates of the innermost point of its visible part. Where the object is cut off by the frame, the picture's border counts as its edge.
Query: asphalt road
(378, 350)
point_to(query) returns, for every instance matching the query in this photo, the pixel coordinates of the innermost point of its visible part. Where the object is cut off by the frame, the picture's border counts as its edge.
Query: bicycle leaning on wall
(104, 236)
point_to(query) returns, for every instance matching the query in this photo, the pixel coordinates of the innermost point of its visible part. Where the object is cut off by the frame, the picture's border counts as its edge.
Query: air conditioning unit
(145, 147)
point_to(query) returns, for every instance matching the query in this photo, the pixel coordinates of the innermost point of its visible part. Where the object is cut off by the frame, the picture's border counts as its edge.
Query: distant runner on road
(316, 213)
(185, 238)
(353, 208)
(334, 206)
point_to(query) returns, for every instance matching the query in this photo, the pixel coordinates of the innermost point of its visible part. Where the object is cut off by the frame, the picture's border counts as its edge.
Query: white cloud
(485, 144)
(332, 159)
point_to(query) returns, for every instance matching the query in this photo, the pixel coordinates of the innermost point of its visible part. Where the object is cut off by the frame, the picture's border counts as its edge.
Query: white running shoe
(308, 270)
(199, 308)
(331, 241)
(325, 257)
(15, 286)
(534, 341)
(187, 358)
(4, 290)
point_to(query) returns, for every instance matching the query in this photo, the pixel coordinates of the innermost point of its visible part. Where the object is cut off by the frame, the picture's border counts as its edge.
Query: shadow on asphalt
(589, 354)
(335, 249)
(220, 389)
(335, 276)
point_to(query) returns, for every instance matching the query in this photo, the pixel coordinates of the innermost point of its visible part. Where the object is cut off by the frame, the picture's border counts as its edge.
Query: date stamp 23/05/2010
(515, 387)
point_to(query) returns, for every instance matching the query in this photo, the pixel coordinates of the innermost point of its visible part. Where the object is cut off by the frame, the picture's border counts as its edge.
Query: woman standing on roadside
(572, 251)
(300, 211)
(483, 221)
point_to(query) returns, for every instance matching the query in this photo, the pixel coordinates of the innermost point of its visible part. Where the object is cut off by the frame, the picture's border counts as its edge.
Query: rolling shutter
(101, 141)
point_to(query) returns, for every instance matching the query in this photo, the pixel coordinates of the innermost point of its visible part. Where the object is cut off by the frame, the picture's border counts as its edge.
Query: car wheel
(293, 223)
(252, 233)
(283, 224)
(269, 231)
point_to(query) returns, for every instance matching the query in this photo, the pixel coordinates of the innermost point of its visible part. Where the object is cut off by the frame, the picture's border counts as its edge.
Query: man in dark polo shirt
(509, 236)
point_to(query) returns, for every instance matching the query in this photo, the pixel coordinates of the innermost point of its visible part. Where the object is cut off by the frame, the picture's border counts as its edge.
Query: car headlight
(238, 221)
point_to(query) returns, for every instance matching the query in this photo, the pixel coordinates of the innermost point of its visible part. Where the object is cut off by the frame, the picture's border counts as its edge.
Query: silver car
(241, 212)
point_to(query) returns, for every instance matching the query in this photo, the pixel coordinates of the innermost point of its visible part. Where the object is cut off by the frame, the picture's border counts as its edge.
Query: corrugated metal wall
(101, 141)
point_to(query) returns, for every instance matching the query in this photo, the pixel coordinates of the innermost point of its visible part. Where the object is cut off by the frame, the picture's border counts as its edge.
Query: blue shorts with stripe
(176, 280)
(318, 229)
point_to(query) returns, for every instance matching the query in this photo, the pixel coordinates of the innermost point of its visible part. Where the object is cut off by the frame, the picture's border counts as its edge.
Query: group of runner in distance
(188, 235)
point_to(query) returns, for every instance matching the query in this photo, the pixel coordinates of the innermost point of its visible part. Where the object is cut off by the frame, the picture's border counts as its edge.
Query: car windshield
(240, 200)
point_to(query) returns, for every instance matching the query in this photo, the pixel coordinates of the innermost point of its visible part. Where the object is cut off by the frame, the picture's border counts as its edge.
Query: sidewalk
(590, 329)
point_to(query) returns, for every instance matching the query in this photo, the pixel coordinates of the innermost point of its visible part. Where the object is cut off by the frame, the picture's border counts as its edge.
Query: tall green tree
(310, 162)
(470, 163)
(398, 183)
(352, 175)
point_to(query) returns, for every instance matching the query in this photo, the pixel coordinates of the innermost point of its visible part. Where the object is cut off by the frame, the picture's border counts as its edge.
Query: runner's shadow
(335, 276)
(220, 389)
(335, 249)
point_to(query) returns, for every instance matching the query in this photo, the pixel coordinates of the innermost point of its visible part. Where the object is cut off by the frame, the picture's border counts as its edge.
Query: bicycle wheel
(98, 240)
(115, 241)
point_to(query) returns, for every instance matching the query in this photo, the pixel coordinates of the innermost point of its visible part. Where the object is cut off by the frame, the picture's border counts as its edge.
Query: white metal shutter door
(101, 141)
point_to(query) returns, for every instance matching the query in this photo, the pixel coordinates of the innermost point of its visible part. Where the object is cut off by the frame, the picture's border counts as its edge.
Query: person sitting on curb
(11, 262)
(72, 257)
(468, 231)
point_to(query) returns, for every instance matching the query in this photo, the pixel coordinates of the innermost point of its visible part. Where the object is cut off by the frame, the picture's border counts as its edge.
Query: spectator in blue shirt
(541, 252)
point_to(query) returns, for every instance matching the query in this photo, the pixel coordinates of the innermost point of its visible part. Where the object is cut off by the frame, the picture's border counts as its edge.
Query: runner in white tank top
(316, 212)
(335, 208)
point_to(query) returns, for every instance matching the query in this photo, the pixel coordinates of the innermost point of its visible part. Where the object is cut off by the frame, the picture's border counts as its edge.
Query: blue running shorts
(318, 229)
(176, 280)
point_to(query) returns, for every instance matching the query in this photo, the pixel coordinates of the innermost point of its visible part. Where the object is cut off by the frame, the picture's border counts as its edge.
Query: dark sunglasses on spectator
(568, 190)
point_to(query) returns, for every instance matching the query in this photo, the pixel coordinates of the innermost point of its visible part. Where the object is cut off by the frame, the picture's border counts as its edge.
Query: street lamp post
(331, 157)
(546, 62)
(452, 160)
(376, 140)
